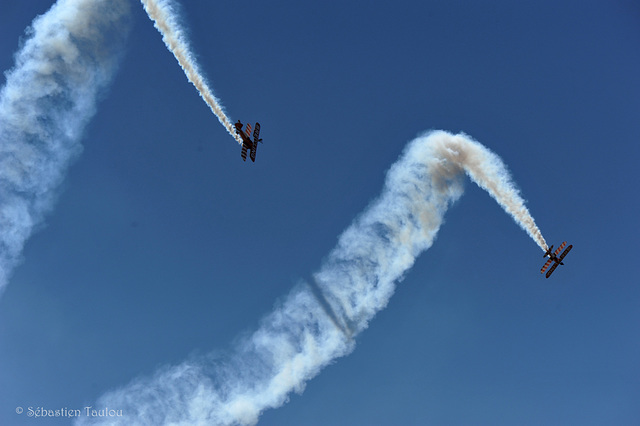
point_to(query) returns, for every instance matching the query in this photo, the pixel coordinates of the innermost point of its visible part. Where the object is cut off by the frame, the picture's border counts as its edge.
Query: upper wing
(553, 268)
(256, 133)
(559, 249)
(545, 266)
(252, 154)
(248, 131)
(565, 252)
(256, 139)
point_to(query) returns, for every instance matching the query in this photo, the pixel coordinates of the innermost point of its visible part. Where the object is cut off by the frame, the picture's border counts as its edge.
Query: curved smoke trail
(163, 15)
(315, 323)
(69, 57)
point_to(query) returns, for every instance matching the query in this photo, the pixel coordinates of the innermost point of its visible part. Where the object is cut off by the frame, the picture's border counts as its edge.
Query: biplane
(553, 257)
(247, 144)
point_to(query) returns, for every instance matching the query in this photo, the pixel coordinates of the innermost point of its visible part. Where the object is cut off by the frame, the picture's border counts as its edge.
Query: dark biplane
(553, 257)
(247, 143)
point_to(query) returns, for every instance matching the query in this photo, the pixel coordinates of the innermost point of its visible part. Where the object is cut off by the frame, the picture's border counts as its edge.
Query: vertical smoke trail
(163, 15)
(49, 96)
(315, 323)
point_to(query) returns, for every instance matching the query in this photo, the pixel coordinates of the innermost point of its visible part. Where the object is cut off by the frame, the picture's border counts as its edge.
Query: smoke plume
(164, 16)
(68, 58)
(316, 321)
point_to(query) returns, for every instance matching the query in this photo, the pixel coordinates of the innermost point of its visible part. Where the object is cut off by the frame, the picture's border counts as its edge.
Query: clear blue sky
(164, 244)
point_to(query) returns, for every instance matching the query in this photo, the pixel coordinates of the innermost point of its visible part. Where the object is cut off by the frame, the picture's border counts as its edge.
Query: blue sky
(164, 245)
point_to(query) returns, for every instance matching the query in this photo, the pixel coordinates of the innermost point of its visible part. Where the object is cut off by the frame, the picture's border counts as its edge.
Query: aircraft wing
(553, 268)
(559, 249)
(256, 139)
(545, 266)
(565, 252)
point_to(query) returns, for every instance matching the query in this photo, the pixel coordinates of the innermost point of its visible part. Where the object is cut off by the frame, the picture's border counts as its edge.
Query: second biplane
(553, 257)
(247, 144)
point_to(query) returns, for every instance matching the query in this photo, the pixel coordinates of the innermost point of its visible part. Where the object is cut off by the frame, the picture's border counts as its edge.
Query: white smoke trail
(164, 17)
(489, 173)
(49, 96)
(315, 323)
